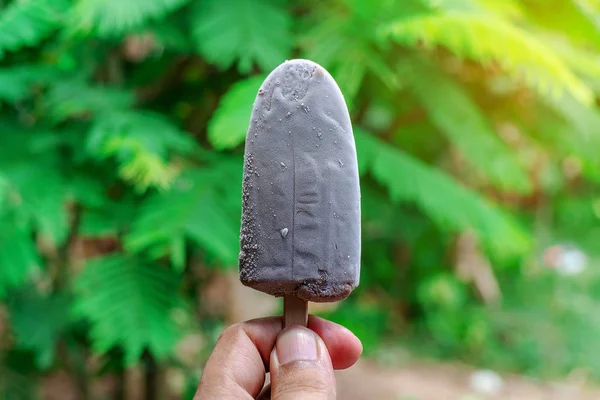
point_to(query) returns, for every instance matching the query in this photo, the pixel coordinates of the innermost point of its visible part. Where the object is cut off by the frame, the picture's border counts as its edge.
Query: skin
(245, 352)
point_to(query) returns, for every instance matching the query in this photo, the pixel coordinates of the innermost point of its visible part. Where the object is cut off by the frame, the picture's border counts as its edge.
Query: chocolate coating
(300, 229)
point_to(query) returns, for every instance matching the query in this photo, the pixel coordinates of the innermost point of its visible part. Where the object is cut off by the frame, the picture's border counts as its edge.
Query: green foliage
(192, 210)
(571, 19)
(37, 190)
(226, 31)
(229, 124)
(323, 42)
(38, 322)
(122, 125)
(141, 143)
(74, 98)
(368, 322)
(116, 17)
(444, 200)
(543, 327)
(129, 303)
(26, 23)
(16, 82)
(18, 255)
(488, 39)
(455, 114)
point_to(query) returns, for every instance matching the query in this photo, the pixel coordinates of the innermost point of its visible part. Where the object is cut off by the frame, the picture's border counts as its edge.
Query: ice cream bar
(300, 233)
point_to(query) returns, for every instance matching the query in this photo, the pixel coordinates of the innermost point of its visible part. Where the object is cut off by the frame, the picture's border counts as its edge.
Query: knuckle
(231, 333)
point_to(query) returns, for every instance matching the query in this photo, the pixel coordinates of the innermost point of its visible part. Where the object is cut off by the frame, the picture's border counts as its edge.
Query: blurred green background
(121, 142)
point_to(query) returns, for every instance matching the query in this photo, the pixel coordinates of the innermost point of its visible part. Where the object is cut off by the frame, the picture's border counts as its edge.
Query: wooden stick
(295, 311)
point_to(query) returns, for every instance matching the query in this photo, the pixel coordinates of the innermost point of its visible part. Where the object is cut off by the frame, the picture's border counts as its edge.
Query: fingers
(237, 366)
(344, 347)
(301, 367)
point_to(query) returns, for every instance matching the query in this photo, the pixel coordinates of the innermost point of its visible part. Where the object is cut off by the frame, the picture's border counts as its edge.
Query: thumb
(301, 367)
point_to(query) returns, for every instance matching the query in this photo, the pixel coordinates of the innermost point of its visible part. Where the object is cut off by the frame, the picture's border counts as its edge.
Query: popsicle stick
(295, 311)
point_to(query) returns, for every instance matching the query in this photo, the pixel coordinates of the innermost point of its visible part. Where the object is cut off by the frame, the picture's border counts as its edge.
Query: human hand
(301, 360)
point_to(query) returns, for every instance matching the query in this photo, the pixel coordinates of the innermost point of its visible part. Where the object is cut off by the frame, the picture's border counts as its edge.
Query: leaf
(579, 136)
(45, 197)
(141, 142)
(38, 322)
(40, 186)
(367, 321)
(75, 98)
(460, 119)
(87, 189)
(203, 206)
(444, 200)
(109, 218)
(349, 71)
(16, 82)
(350, 75)
(333, 33)
(512, 9)
(178, 252)
(26, 23)
(486, 39)
(129, 303)
(112, 18)
(226, 31)
(169, 35)
(566, 18)
(229, 123)
(442, 291)
(585, 63)
(18, 255)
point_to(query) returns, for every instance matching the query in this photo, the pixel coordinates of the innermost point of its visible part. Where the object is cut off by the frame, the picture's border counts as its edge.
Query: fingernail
(296, 344)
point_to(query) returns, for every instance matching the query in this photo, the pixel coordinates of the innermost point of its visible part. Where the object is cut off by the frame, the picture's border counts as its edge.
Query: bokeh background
(121, 142)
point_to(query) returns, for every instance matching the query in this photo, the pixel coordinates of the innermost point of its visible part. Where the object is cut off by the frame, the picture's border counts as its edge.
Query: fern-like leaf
(111, 18)
(568, 18)
(39, 187)
(44, 197)
(583, 62)
(350, 71)
(228, 125)
(141, 142)
(578, 134)
(16, 82)
(460, 119)
(76, 99)
(446, 201)
(26, 23)
(486, 39)
(37, 322)
(107, 218)
(18, 254)
(512, 9)
(334, 33)
(324, 45)
(249, 32)
(193, 209)
(129, 304)
(508, 8)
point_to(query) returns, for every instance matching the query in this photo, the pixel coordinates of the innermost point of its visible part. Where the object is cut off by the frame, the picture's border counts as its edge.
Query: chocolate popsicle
(300, 233)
